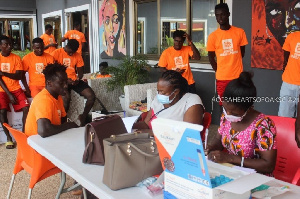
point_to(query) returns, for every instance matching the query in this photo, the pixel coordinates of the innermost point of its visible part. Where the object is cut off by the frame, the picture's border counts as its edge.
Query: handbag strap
(142, 152)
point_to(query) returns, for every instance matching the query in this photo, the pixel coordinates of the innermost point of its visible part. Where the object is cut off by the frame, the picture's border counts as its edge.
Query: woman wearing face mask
(246, 134)
(173, 102)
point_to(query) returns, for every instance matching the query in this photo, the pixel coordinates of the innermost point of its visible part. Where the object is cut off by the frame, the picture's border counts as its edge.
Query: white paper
(247, 170)
(245, 183)
(128, 121)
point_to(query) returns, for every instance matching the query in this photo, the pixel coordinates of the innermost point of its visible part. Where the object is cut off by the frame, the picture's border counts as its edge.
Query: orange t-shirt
(173, 59)
(35, 65)
(227, 46)
(48, 39)
(44, 105)
(71, 62)
(291, 73)
(10, 64)
(79, 36)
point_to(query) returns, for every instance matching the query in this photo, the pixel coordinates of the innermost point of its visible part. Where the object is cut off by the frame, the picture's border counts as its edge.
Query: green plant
(21, 53)
(131, 70)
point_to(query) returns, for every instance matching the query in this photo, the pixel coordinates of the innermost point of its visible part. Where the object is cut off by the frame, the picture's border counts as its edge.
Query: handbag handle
(140, 151)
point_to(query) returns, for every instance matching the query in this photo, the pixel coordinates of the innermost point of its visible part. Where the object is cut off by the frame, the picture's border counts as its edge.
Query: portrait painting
(272, 21)
(112, 28)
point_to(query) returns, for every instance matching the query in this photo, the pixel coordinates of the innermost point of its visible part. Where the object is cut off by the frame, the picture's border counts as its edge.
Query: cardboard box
(187, 171)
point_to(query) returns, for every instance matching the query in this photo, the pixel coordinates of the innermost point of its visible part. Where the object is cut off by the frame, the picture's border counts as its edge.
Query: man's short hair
(51, 71)
(73, 45)
(179, 33)
(3, 37)
(223, 6)
(48, 26)
(37, 40)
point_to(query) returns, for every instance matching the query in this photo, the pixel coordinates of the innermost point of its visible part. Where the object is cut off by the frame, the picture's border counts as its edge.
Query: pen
(206, 135)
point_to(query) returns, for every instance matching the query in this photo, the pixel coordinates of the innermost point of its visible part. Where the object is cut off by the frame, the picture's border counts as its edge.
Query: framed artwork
(272, 21)
(112, 28)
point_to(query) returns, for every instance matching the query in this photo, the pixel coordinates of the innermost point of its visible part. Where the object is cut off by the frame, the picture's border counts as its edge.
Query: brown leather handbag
(95, 132)
(130, 158)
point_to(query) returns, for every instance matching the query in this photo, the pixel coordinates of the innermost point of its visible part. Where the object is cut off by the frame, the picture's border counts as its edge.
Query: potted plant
(130, 71)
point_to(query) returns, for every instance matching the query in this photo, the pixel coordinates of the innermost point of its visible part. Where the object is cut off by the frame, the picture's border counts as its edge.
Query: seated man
(34, 63)
(47, 115)
(74, 62)
(10, 90)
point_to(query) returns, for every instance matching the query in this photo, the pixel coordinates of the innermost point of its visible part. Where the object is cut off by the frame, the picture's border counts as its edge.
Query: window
(156, 20)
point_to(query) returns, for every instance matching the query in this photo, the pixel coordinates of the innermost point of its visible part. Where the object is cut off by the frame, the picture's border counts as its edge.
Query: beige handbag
(129, 159)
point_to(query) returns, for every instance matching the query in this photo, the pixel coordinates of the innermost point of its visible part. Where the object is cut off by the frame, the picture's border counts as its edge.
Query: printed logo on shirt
(51, 40)
(75, 36)
(178, 63)
(67, 62)
(39, 67)
(26, 101)
(296, 55)
(5, 67)
(228, 47)
(59, 113)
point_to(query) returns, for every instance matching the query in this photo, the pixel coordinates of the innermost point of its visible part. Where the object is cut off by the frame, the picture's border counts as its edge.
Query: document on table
(128, 121)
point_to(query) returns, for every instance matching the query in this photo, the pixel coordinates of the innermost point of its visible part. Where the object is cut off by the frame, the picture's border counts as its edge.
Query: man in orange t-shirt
(49, 41)
(34, 63)
(290, 88)
(75, 34)
(227, 43)
(74, 62)
(47, 115)
(177, 57)
(11, 72)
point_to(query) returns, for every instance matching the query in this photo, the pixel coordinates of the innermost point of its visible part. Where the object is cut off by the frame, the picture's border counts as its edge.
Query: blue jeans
(289, 96)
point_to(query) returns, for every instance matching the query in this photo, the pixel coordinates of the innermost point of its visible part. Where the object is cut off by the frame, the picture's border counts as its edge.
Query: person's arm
(243, 48)
(297, 125)
(265, 164)
(196, 54)
(143, 126)
(63, 39)
(24, 82)
(286, 58)
(16, 76)
(11, 97)
(80, 72)
(46, 129)
(194, 114)
(212, 61)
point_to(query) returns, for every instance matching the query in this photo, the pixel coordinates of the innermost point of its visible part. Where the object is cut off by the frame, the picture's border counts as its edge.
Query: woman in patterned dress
(247, 135)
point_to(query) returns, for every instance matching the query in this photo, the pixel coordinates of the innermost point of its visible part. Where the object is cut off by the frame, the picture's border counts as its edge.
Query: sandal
(9, 145)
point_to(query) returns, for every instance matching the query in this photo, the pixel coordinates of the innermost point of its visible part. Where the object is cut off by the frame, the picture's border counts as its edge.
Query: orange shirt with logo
(227, 46)
(291, 73)
(48, 39)
(44, 105)
(79, 36)
(10, 64)
(173, 59)
(71, 62)
(35, 65)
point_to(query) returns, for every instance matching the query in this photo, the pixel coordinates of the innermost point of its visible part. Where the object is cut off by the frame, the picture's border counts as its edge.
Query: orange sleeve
(25, 62)
(19, 65)
(54, 54)
(80, 62)
(42, 111)
(83, 38)
(163, 62)
(61, 106)
(286, 46)
(244, 40)
(210, 43)
(67, 35)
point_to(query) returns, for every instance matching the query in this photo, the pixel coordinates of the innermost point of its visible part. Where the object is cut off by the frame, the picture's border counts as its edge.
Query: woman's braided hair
(176, 80)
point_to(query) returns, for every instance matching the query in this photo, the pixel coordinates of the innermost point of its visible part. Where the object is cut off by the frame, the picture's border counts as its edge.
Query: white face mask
(233, 118)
